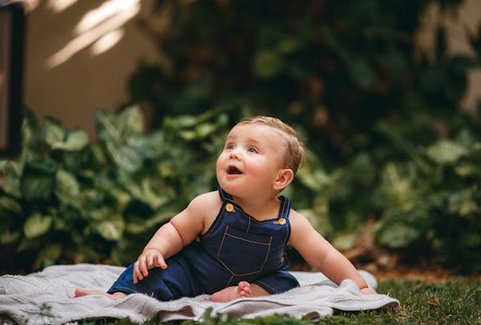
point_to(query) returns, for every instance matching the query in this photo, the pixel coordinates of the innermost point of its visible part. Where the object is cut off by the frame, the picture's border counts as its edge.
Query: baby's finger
(161, 262)
(149, 262)
(137, 275)
(144, 269)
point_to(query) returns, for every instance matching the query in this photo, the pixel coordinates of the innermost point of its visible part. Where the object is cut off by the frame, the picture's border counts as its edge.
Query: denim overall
(236, 248)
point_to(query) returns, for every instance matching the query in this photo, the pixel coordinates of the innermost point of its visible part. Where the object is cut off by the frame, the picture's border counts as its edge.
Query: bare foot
(84, 292)
(242, 290)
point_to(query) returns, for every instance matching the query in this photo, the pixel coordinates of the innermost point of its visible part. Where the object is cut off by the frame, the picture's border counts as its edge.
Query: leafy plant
(66, 200)
(433, 197)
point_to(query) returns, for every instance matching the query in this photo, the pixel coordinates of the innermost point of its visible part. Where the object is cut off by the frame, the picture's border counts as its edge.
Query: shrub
(66, 200)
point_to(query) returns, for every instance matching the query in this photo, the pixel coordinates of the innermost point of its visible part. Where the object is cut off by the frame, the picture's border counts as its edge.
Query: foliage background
(390, 152)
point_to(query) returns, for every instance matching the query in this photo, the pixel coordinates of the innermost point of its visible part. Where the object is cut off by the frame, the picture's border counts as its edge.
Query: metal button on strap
(281, 221)
(229, 207)
(282, 259)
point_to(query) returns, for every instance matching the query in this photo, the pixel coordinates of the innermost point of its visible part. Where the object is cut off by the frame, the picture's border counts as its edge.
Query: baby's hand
(368, 291)
(149, 259)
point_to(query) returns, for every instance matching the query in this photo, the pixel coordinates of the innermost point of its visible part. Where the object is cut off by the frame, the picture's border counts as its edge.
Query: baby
(231, 243)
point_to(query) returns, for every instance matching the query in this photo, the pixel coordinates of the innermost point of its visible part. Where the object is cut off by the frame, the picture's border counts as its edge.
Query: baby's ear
(284, 178)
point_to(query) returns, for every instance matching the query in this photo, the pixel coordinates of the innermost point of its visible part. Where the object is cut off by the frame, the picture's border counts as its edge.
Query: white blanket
(46, 298)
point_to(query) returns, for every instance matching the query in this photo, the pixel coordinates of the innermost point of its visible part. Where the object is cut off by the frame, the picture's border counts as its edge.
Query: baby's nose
(234, 154)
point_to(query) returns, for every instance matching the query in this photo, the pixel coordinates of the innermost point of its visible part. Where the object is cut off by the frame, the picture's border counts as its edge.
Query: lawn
(452, 301)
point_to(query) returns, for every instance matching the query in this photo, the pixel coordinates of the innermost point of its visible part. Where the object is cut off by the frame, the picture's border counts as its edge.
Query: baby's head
(293, 155)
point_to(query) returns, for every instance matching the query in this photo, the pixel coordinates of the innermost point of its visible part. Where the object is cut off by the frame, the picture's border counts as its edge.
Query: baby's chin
(227, 186)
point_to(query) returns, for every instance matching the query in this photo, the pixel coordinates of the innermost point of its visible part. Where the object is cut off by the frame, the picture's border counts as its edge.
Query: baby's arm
(319, 253)
(181, 230)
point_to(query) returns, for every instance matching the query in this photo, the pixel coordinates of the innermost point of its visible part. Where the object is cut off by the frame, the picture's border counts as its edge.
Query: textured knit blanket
(46, 298)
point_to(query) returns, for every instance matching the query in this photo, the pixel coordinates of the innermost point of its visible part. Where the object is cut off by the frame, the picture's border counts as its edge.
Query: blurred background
(127, 104)
(80, 54)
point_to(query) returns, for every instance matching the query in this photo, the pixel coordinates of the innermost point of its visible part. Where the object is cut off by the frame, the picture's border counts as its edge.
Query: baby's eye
(252, 149)
(230, 146)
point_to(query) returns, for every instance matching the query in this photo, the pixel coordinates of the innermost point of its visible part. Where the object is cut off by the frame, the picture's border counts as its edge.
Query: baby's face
(251, 160)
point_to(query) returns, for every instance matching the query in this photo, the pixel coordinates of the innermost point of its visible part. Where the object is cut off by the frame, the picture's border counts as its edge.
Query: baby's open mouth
(233, 170)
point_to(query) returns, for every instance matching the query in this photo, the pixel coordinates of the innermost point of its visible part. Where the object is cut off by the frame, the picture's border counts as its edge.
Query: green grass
(455, 302)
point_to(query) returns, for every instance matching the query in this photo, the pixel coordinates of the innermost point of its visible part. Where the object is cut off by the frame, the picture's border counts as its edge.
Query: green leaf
(462, 202)
(37, 225)
(289, 45)
(67, 188)
(188, 135)
(35, 186)
(334, 42)
(361, 73)
(111, 229)
(313, 179)
(8, 236)
(154, 221)
(76, 140)
(397, 234)
(147, 190)
(467, 169)
(48, 256)
(181, 122)
(446, 152)
(203, 130)
(9, 204)
(150, 146)
(346, 241)
(155, 195)
(54, 131)
(126, 158)
(11, 185)
(3, 165)
(107, 130)
(398, 188)
(267, 64)
(312, 175)
(320, 221)
(131, 121)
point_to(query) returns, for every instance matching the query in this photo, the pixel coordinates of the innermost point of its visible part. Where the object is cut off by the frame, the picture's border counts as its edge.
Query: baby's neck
(260, 210)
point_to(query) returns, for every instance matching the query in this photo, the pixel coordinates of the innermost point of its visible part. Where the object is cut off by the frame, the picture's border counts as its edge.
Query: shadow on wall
(100, 28)
(79, 55)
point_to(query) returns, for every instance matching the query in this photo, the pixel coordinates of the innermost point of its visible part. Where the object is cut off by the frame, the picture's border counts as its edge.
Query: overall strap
(285, 208)
(224, 195)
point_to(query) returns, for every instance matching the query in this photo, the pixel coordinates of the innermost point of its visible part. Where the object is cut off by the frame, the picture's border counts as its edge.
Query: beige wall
(71, 91)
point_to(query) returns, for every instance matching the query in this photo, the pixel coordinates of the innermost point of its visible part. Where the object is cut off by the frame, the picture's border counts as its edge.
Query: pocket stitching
(261, 267)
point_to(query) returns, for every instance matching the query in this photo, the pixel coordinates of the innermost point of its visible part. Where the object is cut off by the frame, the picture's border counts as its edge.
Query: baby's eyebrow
(254, 142)
(234, 138)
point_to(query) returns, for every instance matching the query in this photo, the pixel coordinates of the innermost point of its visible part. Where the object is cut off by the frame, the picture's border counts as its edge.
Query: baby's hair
(294, 155)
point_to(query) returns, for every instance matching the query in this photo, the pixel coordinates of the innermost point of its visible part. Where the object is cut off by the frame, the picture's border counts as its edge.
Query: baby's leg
(243, 289)
(83, 292)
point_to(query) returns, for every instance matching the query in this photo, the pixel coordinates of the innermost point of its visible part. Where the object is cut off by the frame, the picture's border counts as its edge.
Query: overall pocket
(243, 253)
